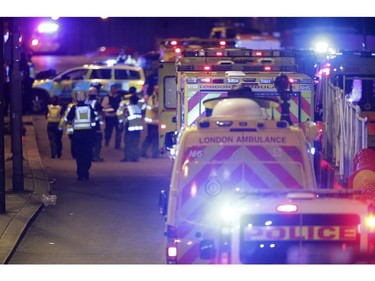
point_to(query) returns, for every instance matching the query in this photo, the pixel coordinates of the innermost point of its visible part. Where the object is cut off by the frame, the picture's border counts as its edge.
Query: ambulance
(243, 191)
(171, 50)
(212, 72)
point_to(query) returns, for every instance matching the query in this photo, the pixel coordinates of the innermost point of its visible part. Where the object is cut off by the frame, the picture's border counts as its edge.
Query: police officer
(69, 127)
(133, 128)
(121, 111)
(94, 101)
(152, 121)
(54, 134)
(82, 117)
(110, 105)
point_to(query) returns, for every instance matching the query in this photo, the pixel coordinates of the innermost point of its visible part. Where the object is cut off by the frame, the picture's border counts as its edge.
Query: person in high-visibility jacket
(82, 117)
(69, 127)
(152, 121)
(133, 129)
(94, 101)
(54, 134)
(125, 101)
(110, 104)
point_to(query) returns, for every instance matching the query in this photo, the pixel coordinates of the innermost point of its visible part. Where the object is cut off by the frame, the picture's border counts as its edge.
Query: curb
(38, 179)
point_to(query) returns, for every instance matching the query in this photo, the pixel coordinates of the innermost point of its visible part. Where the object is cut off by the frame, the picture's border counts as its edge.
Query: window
(101, 74)
(170, 96)
(79, 74)
(127, 74)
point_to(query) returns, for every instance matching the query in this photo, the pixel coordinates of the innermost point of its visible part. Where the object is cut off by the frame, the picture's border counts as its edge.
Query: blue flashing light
(110, 62)
(48, 27)
(204, 124)
(281, 124)
(233, 80)
(224, 123)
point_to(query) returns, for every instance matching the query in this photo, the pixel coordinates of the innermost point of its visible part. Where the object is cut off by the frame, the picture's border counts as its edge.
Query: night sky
(85, 34)
(358, 24)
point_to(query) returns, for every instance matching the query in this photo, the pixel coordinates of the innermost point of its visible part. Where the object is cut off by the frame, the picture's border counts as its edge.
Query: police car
(243, 191)
(82, 78)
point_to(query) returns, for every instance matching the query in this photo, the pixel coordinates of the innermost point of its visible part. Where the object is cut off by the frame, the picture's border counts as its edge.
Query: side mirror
(170, 139)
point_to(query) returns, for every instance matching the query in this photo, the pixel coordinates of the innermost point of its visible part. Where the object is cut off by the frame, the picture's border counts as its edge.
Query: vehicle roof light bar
(236, 67)
(238, 52)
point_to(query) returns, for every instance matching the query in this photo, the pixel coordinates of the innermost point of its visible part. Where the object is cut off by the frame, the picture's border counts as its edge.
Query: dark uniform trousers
(55, 139)
(98, 138)
(111, 123)
(82, 143)
(132, 150)
(151, 140)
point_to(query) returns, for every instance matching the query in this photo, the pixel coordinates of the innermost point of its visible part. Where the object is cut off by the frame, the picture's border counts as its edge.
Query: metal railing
(345, 131)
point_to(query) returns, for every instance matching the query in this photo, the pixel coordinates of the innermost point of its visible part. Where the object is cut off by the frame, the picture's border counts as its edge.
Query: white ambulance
(243, 191)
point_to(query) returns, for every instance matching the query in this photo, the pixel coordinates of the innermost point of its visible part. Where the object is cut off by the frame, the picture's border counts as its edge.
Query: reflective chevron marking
(227, 167)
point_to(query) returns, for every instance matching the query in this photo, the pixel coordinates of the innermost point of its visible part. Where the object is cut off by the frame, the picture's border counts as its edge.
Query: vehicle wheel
(39, 102)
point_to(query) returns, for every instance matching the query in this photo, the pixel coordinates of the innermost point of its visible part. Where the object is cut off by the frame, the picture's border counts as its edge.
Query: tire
(39, 102)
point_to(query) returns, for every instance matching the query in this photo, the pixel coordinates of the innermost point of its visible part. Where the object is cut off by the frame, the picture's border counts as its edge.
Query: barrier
(364, 157)
(345, 131)
(364, 173)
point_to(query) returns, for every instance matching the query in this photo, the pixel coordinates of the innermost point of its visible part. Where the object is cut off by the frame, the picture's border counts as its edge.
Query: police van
(243, 191)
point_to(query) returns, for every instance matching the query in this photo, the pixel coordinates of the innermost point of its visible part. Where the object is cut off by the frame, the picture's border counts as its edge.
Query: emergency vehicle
(249, 39)
(171, 49)
(211, 73)
(243, 191)
(82, 78)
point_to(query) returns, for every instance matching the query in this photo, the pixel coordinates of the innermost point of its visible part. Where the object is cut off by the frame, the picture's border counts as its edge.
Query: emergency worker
(110, 104)
(54, 134)
(94, 101)
(69, 128)
(133, 129)
(152, 121)
(82, 117)
(141, 100)
(124, 103)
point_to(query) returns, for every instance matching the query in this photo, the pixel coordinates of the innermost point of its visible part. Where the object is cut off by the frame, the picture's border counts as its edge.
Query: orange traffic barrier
(364, 157)
(363, 176)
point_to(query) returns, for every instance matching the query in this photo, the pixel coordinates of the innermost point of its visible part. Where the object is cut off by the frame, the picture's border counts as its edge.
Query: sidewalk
(21, 208)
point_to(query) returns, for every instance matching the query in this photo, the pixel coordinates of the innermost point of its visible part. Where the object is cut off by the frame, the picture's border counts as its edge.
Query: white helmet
(92, 91)
(80, 95)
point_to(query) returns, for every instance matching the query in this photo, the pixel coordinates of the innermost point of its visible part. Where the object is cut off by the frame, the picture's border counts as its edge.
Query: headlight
(370, 222)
